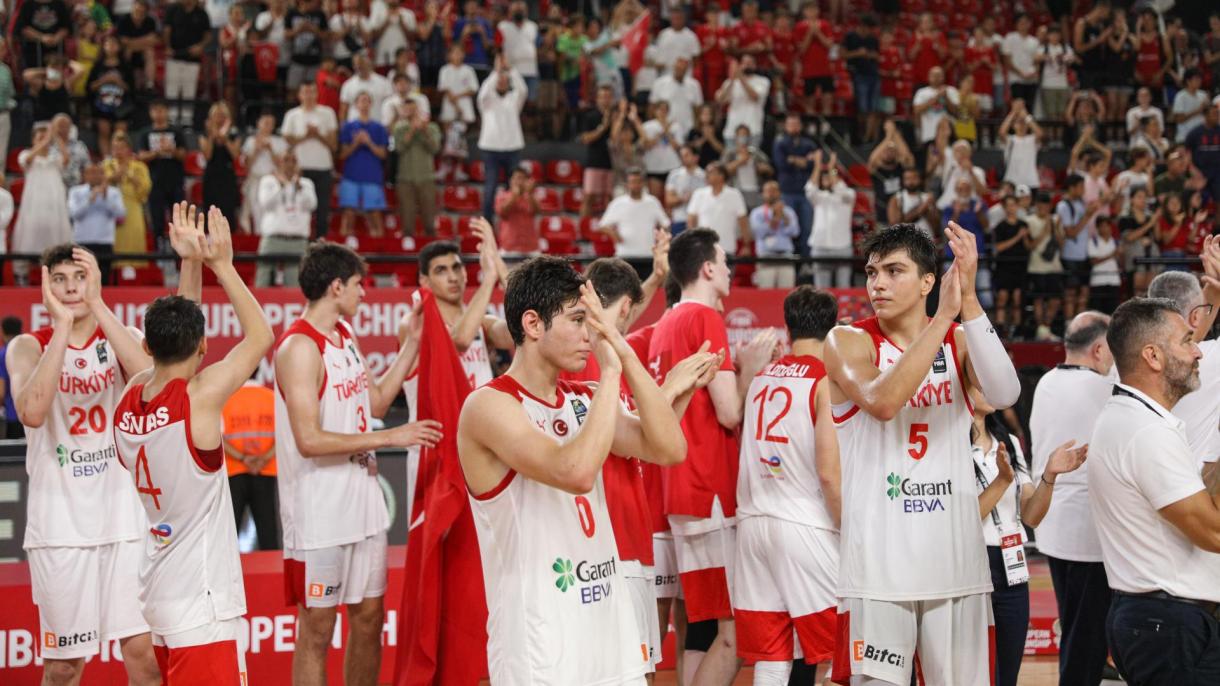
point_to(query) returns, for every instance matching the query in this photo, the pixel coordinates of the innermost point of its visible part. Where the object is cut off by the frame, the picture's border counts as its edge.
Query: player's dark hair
(810, 313)
(999, 431)
(323, 263)
(673, 291)
(173, 328)
(902, 237)
(687, 253)
(1136, 323)
(613, 278)
(434, 250)
(542, 284)
(58, 254)
(11, 326)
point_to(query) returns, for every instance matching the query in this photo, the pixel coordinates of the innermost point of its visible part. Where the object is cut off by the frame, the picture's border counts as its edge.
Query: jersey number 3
(147, 488)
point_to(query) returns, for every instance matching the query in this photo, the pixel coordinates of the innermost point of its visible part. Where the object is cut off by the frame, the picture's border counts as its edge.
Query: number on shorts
(762, 399)
(585, 512)
(918, 440)
(149, 490)
(95, 417)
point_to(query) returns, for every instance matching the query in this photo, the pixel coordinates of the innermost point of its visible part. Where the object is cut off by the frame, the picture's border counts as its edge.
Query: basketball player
(333, 513)
(532, 449)
(84, 524)
(701, 493)
(914, 572)
(167, 432)
(788, 503)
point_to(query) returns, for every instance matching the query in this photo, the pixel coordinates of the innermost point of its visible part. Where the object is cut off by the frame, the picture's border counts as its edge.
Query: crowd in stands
(1079, 141)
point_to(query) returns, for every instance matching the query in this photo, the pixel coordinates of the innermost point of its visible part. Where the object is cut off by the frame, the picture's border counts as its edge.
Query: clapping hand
(965, 257)
(185, 231)
(1066, 458)
(217, 247)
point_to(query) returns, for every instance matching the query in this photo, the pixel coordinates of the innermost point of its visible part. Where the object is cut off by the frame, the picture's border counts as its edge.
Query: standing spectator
(1104, 279)
(272, 24)
(1054, 57)
(363, 144)
(680, 187)
(1120, 56)
(501, 98)
(394, 28)
(661, 139)
(626, 151)
(683, 93)
(1084, 115)
(130, 176)
(715, 43)
(138, 35)
(287, 202)
(1190, 105)
(433, 30)
(187, 33)
(912, 204)
(1045, 270)
(1075, 220)
(832, 202)
(774, 226)
(1090, 34)
(752, 36)
(1211, 47)
(1179, 174)
(1204, 146)
(746, 166)
(705, 138)
(221, 146)
(311, 132)
(1011, 236)
(1137, 175)
(349, 35)
(886, 164)
(961, 167)
(1149, 135)
(457, 85)
(721, 208)
(968, 212)
(10, 328)
(1173, 231)
(162, 147)
(928, 49)
(43, 25)
(570, 49)
(862, 51)
(364, 80)
(1018, 50)
(596, 125)
(248, 431)
(932, 103)
(110, 86)
(792, 154)
(517, 214)
(305, 34)
(519, 42)
(1143, 108)
(744, 97)
(676, 41)
(1153, 53)
(982, 59)
(1020, 135)
(1138, 228)
(8, 99)
(602, 49)
(96, 208)
(76, 155)
(632, 219)
(404, 90)
(476, 36)
(417, 142)
(259, 156)
(814, 41)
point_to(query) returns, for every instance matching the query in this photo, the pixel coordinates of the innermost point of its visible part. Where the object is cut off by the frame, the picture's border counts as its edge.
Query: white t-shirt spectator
(1020, 51)
(453, 81)
(1140, 462)
(832, 211)
(1188, 101)
(264, 162)
(1135, 114)
(683, 97)
(389, 109)
(719, 212)
(953, 172)
(634, 220)
(342, 24)
(520, 45)
(684, 183)
(1021, 159)
(399, 24)
(930, 119)
(673, 44)
(1055, 67)
(287, 208)
(501, 129)
(662, 158)
(311, 153)
(744, 110)
(1006, 506)
(1127, 182)
(1199, 409)
(376, 85)
(272, 28)
(648, 74)
(1104, 273)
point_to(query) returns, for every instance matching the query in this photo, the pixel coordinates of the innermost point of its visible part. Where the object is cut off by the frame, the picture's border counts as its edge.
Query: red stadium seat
(464, 227)
(443, 226)
(535, 169)
(11, 165)
(245, 242)
(194, 163)
(194, 192)
(476, 171)
(858, 176)
(603, 244)
(572, 198)
(548, 199)
(557, 228)
(149, 275)
(462, 198)
(588, 228)
(564, 172)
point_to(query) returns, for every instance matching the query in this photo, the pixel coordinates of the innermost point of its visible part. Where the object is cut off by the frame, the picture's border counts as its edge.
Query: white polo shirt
(634, 220)
(1200, 409)
(720, 213)
(986, 470)
(1141, 462)
(312, 154)
(1066, 404)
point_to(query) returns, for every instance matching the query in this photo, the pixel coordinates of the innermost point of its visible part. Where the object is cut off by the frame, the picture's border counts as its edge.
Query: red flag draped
(442, 624)
(635, 40)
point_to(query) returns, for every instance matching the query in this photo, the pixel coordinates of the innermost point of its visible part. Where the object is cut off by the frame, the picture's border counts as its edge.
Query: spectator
(1018, 51)
(886, 164)
(1137, 175)
(458, 85)
(676, 41)
(981, 59)
(1054, 57)
(933, 103)
(363, 146)
(43, 25)
(968, 212)
(784, 64)
(995, 212)
(305, 35)
(74, 152)
(721, 208)
(1204, 146)
(364, 80)
(1173, 231)
(626, 151)
(187, 32)
(1104, 278)
(814, 41)
(404, 90)
(1045, 270)
(928, 49)
(1084, 114)
(272, 23)
(130, 176)
(349, 36)
(912, 204)
(519, 42)
(287, 201)
(1143, 108)
(744, 96)
(8, 99)
(705, 138)
(417, 142)
(683, 93)
(138, 35)
(1211, 47)
(10, 328)
(1152, 50)
(221, 146)
(1120, 58)
(1020, 135)
(259, 155)
(248, 429)
(1190, 105)
(598, 175)
(862, 51)
(774, 226)
(311, 132)
(476, 36)
(329, 80)
(715, 44)
(393, 27)
(961, 167)
(746, 166)
(47, 87)
(1096, 188)
(1149, 135)
(432, 33)
(751, 38)
(570, 49)
(1179, 174)
(501, 140)
(602, 49)
(517, 210)
(832, 202)
(110, 84)
(680, 187)
(1138, 228)
(1011, 237)
(661, 139)
(96, 208)
(969, 110)
(632, 218)
(1090, 34)
(1075, 220)
(234, 38)
(162, 147)
(1202, 223)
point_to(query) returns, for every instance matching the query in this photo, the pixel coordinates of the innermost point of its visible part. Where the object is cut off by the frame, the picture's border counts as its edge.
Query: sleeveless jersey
(476, 360)
(654, 487)
(336, 499)
(778, 476)
(190, 574)
(911, 527)
(559, 612)
(78, 495)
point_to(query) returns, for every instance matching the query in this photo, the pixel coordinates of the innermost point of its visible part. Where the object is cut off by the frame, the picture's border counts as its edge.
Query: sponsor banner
(1042, 636)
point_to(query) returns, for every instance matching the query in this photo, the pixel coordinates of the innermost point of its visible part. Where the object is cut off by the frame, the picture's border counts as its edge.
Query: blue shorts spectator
(362, 197)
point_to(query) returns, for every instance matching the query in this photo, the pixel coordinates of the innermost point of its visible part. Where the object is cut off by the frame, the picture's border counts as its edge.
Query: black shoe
(1109, 673)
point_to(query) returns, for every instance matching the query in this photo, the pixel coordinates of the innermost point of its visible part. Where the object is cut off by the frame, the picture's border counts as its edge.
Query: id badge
(1015, 565)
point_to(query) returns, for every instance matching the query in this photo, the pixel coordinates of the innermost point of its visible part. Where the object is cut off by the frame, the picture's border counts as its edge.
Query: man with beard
(912, 204)
(1157, 519)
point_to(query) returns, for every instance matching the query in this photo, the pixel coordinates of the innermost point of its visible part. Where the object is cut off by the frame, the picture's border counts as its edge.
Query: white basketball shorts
(344, 574)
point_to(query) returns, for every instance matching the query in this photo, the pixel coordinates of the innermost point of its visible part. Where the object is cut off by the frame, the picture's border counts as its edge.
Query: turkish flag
(443, 619)
(635, 40)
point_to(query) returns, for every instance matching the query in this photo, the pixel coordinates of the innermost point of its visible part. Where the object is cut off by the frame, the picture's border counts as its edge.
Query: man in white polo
(1158, 521)
(1066, 403)
(721, 208)
(631, 218)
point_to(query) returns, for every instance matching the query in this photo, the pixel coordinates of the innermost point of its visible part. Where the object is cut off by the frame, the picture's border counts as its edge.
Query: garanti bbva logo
(563, 568)
(591, 579)
(918, 496)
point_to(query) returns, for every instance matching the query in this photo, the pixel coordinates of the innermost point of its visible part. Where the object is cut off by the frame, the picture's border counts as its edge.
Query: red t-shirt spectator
(749, 33)
(889, 64)
(925, 55)
(815, 61)
(518, 228)
(712, 65)
(1179, 240)
(329, 84)
(981, 60)
(783, 49)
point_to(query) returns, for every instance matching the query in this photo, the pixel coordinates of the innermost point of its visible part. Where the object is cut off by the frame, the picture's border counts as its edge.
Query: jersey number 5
(147, 488)
(761, 398)
(918, 440)
(585, 512)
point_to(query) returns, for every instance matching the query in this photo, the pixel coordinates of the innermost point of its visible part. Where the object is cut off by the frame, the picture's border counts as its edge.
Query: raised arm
(977, 339)
(385, 388)
(128, 347)
(184, 228)
(1036, 500)
(34, 372)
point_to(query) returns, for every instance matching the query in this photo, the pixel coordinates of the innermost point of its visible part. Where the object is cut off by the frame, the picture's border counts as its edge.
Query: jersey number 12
(762, 397)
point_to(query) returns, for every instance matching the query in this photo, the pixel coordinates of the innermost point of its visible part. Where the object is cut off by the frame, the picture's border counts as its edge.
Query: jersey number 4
(762, 398)
(147, 488)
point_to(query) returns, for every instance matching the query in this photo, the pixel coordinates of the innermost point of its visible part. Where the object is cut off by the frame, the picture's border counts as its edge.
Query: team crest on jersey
(80, 363)
(161, 533)
(940, 365)
(102, 356)
(774, 467)
(560, 427)
(579, 407)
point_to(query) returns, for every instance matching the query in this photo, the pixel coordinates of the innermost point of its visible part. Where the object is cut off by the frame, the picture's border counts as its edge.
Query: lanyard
(984, 483)
(1076, 368)
(1119, 390)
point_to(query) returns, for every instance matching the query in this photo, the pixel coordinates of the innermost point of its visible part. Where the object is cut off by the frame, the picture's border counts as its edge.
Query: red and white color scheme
(787, 544)
(701, 492)
(191, 589)
(562, 593)
(83, 518)
(333, 513)
(911, 531)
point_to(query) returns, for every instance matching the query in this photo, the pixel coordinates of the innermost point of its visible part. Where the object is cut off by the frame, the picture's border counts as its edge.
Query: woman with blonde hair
(130, 175)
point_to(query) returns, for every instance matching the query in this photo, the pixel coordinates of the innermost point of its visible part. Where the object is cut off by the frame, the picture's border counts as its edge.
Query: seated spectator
(518, 39)
(137, 33)
(1137, 228)
(660, 139)
(775, 227)
(1021, 136)
(404, 90)
(1104, 278)
(705, 138)
(1143, 108)
(743, 97)
(43, 26)
(287, 201)
(1011, 238)
(1055, 57)
(681, 185)
(517, 214)
(259, 156)
(913, 205)
(1204, 145)
(364, 80)
(96, 208)
(747, 167)
(932, 103)
(1045, 270)
(596, 124)
(721, 208)
(417, 142)
(130, 176)
(632, 218)
(832, 202)
(500, 100)
(961, 167)
(362, 147)
(1075, 221)
(681, 91)
(110, 86)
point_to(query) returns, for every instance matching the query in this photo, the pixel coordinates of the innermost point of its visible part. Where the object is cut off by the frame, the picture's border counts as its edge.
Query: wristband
(1048, 483)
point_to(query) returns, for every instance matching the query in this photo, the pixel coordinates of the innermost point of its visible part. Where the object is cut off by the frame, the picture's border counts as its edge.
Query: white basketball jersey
(911, 527)
(78, 493)
(778, 476)
(333, 500)
(191, 571)
(559, 612)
